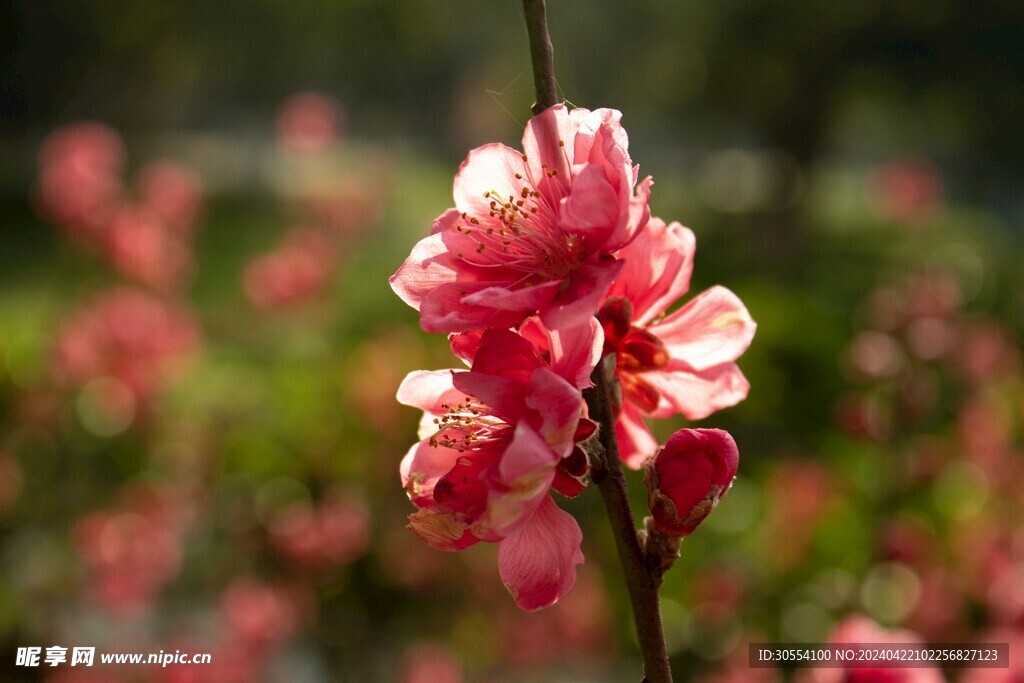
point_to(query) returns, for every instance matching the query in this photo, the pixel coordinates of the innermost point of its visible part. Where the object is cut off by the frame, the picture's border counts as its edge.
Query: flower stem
(542, 55)
(642, 579)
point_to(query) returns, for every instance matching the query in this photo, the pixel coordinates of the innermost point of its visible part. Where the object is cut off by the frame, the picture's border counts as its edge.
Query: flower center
(468, 426)
(521, 229)
(636, 351)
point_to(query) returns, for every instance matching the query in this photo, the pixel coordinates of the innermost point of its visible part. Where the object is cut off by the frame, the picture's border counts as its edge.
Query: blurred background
(201, 202)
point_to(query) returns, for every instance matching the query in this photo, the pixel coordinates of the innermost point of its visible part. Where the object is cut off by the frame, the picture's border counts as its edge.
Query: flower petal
(636, 443)
(525, 300)
(592, 210)
(525, 473)
(422, 467)
(559, 404)
(429, 390)
(543, 152)
(490, 169)
(538, 565)
(444, 309)
(579, 301)
(659, 263)
(576, 350)
(712, 329)
(502, 395)
(428, 267)
(694, 394)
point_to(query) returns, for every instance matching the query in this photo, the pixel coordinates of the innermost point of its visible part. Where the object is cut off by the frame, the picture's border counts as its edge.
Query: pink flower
(292, 274)
(79, 179)
(427, 662)
(334, 532)
(308, 122)
(858, 629)
(679, 364)
(141, 247)
(533, 232)
(132, 550)
(688, 477)
(259, 614)
(173, 193)
(127, 335)
(495, 439)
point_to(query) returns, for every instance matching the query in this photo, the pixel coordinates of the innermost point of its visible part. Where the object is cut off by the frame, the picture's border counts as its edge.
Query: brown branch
(642, 579)
(542, 55)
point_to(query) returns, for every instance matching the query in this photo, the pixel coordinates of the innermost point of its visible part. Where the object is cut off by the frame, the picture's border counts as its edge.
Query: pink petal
(559, 403)
(503, 395)
(524, 300)
(538, 565)
(488, 169)
(694, 394)
(525, 473)
(592, 208)
(441, 530)
(444, 310)
(636, 443)
(428, 390)
(422, 467)
(637, 214)
(528, 456)
(712, 329)
(659, 263)
(505, 353)
(580, 300)
(575, 351)
(428, 267)
(465, 345)
(544, 153)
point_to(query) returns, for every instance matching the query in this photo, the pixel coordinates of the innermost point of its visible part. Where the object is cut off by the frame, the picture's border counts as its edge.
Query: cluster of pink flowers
(132, 550)
(336, 531)
(550, 261)
(332, 207)
(143, 231)
(134, 338)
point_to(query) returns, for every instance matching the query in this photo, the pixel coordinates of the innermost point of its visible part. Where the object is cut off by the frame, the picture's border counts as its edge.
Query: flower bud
(687, 477)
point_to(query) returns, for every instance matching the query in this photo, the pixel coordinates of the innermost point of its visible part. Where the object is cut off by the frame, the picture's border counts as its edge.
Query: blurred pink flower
(309, 122)
(79, 179)
(334, 532)
(346, 207)
(986, 350)
(1014, 673)
(858, 628)
(533, 232)
(680, 364)
(128, 335)
(259, 615)
(173, 193)
(141, 247)
(294, 273)
(908, 190)
(495, 439)
(574, 633)
(132, 550)
(688, 477)
(427, 662)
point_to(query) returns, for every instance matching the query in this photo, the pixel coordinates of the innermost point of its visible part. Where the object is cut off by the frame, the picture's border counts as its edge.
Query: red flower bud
(688, 476)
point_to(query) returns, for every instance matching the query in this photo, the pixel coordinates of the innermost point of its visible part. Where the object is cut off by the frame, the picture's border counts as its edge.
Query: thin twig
(642, 580)
(542, 55)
